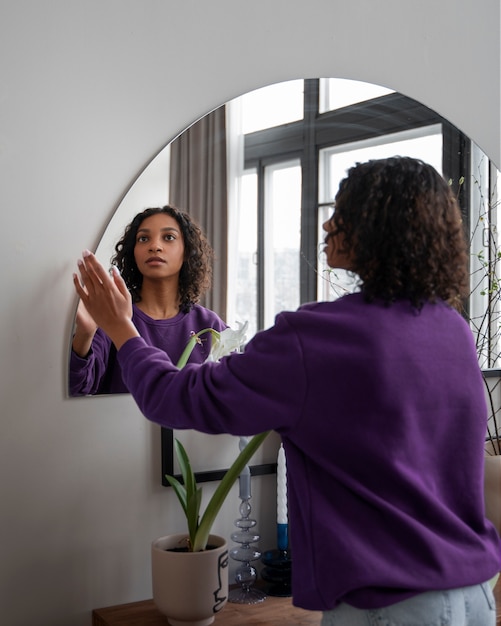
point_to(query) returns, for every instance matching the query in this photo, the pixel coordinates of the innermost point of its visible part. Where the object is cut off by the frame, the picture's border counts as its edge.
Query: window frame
(303, 139)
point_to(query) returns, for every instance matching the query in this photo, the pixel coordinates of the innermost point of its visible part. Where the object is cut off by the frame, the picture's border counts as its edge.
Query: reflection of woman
(379, 401)
(165, 262)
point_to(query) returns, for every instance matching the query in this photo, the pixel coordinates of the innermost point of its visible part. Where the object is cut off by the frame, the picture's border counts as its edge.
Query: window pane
(245, 292)
(282, 238)
(272, 106)
(336, 93)
(425, 144)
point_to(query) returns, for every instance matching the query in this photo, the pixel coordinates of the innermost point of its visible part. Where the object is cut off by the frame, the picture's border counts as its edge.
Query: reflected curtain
(198, 184)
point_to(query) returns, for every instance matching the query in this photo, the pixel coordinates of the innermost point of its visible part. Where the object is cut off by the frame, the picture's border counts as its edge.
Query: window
(245, 286)
(292, 164)
(424, 143)
(281, 239)
(264, 108)
(336, 93)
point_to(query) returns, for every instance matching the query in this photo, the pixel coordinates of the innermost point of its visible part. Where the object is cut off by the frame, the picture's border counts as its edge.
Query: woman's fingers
(92, 277)
(106, 298)
(93, 270)
(119, 281)
(79, 285)
(103, 295)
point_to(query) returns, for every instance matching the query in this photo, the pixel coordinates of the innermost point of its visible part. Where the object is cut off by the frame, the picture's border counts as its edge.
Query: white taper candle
(281, 487)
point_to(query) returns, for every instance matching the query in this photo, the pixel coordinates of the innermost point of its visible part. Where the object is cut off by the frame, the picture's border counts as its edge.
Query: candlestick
(246, 573)
(277, 572)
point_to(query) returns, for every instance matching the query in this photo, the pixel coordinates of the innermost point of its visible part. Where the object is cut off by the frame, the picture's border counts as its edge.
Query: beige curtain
(198, 184)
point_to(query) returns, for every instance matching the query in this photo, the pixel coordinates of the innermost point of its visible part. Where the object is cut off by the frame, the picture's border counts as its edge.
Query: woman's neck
(159, 302)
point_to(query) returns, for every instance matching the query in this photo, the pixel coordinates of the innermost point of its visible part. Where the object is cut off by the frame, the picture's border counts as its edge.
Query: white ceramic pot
(189, 588)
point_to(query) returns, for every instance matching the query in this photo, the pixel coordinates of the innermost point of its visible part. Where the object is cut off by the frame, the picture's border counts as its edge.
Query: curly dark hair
(402, 227)
(196, 272)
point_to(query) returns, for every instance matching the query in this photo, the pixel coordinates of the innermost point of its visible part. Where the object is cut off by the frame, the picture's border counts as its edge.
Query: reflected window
(291, 165)
(281, 239)
(272, 106)
(245, 255)
(423, 143)
(336, 93)
(276, 215)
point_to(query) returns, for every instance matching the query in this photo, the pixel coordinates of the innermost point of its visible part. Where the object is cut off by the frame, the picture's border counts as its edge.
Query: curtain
(198, 184)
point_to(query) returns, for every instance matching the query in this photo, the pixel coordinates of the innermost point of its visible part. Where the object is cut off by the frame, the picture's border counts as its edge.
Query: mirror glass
(260, 173)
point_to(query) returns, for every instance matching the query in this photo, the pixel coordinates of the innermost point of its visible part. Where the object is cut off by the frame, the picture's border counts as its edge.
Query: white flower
(228, 340)
(223, 343)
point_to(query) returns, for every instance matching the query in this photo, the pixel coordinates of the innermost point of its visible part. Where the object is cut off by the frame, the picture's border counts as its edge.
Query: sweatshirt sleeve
(243, 394)
(87, 372)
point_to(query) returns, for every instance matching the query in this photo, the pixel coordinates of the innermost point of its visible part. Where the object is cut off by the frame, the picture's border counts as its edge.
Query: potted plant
(190, 570)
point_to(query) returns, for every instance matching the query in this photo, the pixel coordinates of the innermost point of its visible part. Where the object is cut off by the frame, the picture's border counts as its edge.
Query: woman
(379, 402)
(165, 261)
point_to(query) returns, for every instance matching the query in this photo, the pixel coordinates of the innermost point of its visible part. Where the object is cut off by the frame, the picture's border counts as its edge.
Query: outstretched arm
(106, 299)
(85, 329)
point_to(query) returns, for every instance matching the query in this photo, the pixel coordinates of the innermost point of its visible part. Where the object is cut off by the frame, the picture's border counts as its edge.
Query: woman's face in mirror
(159, 248)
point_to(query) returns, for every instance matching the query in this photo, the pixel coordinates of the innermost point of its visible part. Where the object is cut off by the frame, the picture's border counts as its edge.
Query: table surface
(272, 612)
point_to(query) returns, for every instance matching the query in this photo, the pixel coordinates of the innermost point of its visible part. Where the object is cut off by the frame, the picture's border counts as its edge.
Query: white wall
(89, 92)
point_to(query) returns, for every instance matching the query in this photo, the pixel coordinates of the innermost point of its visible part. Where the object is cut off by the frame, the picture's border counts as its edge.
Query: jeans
(468, 606)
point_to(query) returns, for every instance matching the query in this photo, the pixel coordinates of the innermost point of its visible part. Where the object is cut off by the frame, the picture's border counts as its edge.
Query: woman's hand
(106, 299)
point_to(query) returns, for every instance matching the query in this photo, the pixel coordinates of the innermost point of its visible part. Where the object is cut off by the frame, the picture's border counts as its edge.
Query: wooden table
(272, 612)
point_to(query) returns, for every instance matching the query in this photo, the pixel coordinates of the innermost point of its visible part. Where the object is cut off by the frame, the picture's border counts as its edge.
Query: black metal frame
(167, 436)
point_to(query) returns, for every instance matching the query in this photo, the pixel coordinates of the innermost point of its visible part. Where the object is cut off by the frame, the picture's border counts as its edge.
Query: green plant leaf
(193, 514)
(185, 467)
(223, 489)
(188, 494)
(180, 492)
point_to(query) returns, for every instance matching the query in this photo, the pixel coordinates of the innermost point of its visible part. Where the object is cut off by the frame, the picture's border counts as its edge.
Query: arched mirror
(259, 175)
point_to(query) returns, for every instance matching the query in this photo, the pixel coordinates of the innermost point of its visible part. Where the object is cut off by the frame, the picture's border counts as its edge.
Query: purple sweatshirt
(383, 418)
(100, 371)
